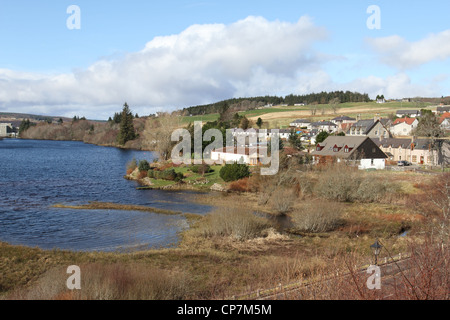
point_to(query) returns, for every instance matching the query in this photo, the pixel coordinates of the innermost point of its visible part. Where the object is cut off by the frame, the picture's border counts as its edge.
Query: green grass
(383, 109)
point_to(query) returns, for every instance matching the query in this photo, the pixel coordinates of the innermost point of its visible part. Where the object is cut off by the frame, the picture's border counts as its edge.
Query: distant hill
(244, 104)
(12, 117)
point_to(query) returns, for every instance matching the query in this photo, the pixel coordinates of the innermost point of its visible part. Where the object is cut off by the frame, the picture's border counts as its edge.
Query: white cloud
(393, 87)
(401, 54)
(204, 63)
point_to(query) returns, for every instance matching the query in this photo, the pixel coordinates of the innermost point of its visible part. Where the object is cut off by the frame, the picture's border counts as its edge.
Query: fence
(282, 289)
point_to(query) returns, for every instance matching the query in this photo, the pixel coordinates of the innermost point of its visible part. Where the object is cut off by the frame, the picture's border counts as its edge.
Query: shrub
(317, 217)
(144, 165)
(142, 174)
(151, 174)
(236, 223)
(233, 172)
(168, 174)
(201, 169)
(339, 182)
(282, 200)
(240, 185)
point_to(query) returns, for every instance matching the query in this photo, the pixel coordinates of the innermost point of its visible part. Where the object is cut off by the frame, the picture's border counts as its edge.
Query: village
(377, 143)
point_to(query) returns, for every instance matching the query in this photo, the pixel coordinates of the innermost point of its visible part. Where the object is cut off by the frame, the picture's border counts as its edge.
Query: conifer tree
(126, 132)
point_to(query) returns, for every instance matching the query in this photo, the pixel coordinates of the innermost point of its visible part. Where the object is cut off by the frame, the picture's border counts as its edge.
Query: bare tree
(334, 104)
(159, 134)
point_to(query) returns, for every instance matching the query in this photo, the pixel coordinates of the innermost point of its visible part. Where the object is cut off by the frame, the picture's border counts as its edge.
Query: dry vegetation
(276, 229)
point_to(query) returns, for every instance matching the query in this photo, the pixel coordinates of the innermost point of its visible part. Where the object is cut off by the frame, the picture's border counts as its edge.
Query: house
(404, 126)
(343, 122)
(444, 121)
(407, 113)
(361, 151)
(327, 126)
(373, 128)
(416, 151)
(381, 100)
(343, 119)
(261, 134)
(7, 130)
(442, 109)
(248, 155)
(301, 123)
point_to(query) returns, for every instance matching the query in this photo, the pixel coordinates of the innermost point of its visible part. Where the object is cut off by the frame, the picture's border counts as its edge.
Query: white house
(301, 123)
(327, 126)
(404, 126)
(408, 113)
(251, 156)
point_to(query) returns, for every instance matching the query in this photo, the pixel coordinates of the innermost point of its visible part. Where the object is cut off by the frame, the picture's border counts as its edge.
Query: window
(346, 150)
(414, 158)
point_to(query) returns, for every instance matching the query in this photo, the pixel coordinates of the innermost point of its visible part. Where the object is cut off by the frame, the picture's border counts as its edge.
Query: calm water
(34, 175)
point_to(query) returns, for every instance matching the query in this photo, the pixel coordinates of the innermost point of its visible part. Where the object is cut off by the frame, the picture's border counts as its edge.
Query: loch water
(37, 174)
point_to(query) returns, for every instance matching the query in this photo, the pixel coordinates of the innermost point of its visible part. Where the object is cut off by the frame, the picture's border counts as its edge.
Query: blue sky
(165, 55)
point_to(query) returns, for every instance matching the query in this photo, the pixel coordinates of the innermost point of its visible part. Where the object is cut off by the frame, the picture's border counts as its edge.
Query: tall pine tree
(126, 132)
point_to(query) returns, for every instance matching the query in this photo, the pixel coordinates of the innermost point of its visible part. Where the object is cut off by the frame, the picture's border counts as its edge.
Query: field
(281, 116)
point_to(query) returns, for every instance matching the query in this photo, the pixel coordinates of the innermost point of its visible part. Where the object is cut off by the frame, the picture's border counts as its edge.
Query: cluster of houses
(8, 130)
(367, 143)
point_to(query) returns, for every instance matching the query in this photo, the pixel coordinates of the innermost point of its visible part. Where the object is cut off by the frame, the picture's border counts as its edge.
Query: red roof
(405, 120)
(444, 116)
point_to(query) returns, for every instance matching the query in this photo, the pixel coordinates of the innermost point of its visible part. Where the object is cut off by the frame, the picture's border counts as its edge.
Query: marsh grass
(116, 206)
(238, 224)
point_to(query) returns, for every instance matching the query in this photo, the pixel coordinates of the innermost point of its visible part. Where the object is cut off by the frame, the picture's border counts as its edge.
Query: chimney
(377, 117)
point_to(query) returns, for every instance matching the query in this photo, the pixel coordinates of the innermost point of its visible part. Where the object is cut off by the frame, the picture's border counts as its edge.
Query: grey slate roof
(355, 145)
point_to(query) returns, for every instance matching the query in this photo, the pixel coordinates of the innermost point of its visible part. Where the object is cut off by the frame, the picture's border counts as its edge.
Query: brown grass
(115, 206)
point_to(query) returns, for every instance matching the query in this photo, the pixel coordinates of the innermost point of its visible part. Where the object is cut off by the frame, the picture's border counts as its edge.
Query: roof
(301, 121)
(444, 116)
(443, 109)
(243, 151)
(408, 112)
(323, 123)
(353, 144)
(409, 121)
(393, 142)
(342, 118)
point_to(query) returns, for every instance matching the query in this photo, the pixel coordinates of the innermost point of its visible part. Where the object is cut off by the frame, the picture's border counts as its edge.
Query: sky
(167, 55)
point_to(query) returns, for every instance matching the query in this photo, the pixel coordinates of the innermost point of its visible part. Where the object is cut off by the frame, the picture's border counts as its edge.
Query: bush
(339, 182)
(168, 174)
(236, 223)
(233, 172)
(317, 217)
(201, 169)
(240, 185)
(144, 165)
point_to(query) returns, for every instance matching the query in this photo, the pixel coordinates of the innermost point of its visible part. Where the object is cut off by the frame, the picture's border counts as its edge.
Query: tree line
(243, 104)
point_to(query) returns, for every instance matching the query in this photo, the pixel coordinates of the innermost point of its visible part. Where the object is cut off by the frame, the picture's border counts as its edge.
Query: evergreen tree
(126, 132)
(321, 137)
(259, 123)
(294, 141)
